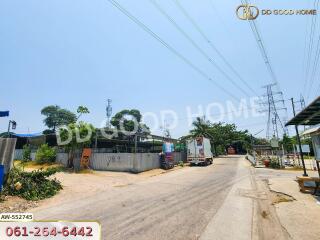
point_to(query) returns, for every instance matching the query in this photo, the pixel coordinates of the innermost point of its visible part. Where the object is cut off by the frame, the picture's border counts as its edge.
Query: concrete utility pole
(299, 141)
(252, 144)
(12, 125)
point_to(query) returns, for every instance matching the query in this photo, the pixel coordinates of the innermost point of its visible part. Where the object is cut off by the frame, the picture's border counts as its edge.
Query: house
(310, 116)
(314, 133)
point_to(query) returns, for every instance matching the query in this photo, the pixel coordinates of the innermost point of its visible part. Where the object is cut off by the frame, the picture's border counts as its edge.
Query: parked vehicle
(199, 151)
(166, 156)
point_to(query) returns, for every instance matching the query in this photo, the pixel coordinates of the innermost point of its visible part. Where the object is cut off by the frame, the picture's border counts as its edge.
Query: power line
(310, 49)
(204, 36)
(217, 13)
(195, 45)
(272, 109)
(169, 47)
(318, 89)
(315, 67)
(306, 60)
(317, 53)
(262, 49)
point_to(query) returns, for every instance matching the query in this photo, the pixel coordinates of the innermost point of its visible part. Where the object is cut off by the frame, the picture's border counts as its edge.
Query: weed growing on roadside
(33, 185)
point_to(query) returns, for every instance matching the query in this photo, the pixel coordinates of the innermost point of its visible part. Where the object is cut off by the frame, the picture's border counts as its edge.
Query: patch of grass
(279, 197)
(2, 197)
(86, 171)
(33, 165)
(295, 168)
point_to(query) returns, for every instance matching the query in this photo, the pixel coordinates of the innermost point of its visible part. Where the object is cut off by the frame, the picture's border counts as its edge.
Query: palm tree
(201, 128)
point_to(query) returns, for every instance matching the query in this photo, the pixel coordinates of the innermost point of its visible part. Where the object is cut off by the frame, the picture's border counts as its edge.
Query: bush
(274, 163)
(26, 153)
(33, 185)
(220, 150)
(46, 154)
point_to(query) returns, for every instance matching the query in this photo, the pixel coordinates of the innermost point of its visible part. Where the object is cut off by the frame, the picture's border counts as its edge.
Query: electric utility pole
(299, 141)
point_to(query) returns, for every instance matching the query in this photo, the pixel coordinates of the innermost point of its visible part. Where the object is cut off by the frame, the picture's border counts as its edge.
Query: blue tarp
(4, 113)
(28, 135)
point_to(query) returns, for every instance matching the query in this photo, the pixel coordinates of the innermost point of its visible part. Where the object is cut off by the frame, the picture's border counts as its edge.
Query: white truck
(199, 151)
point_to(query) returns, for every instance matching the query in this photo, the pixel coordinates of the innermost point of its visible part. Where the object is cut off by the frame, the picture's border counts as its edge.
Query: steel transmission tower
(109, 112)
(273, 102)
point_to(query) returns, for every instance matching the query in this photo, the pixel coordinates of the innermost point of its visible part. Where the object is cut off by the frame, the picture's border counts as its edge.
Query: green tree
(26, 153)
(75, 138)
(46, 154)
(201, 127)
(287, 143)
(221, 135)
(56, 116)
(130, 120)
(82, 110)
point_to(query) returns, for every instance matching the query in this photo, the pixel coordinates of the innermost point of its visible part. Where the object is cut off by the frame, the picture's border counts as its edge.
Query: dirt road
(180, 204)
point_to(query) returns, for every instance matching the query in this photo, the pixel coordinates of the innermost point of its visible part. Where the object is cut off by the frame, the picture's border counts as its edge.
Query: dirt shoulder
(298, 213)
(81, 185)
(300, 217)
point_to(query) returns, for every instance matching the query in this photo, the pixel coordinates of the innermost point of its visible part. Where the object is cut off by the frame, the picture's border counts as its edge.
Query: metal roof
(311, 131)
(27, 135)
(308, 116)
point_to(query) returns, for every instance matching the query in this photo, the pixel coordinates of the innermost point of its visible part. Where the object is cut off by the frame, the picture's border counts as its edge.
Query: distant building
(310, 116)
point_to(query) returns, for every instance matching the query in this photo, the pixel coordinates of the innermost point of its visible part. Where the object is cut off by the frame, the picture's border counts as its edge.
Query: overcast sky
(72, 53)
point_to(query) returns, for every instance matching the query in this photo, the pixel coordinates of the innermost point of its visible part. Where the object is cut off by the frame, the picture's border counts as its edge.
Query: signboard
(85, 158)
(4, 113)
(316, 146)
(305, 148)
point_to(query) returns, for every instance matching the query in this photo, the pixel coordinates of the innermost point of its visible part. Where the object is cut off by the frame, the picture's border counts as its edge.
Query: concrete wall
(123, 162)
(145, 162)
(112, 161)
(18, 154)
(251, 159)
(62, 158)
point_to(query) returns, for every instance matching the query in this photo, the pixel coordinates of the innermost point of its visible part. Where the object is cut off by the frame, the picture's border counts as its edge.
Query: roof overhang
(311, 131)
(308, 116)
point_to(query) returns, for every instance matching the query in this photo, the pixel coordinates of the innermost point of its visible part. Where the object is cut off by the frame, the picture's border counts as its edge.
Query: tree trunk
(70, 158)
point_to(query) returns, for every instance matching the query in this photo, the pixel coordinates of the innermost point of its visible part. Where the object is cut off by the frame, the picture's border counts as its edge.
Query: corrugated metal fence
(7, 147)
(124, 162)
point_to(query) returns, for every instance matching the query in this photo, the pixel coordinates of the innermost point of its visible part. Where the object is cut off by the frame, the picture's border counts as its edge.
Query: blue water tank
(1, 176)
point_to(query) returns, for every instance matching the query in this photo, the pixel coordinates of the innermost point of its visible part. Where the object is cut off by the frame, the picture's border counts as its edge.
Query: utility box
(199, 151)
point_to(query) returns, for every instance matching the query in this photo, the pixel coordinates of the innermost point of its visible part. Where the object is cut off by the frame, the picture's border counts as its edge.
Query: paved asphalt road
(175, 205)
